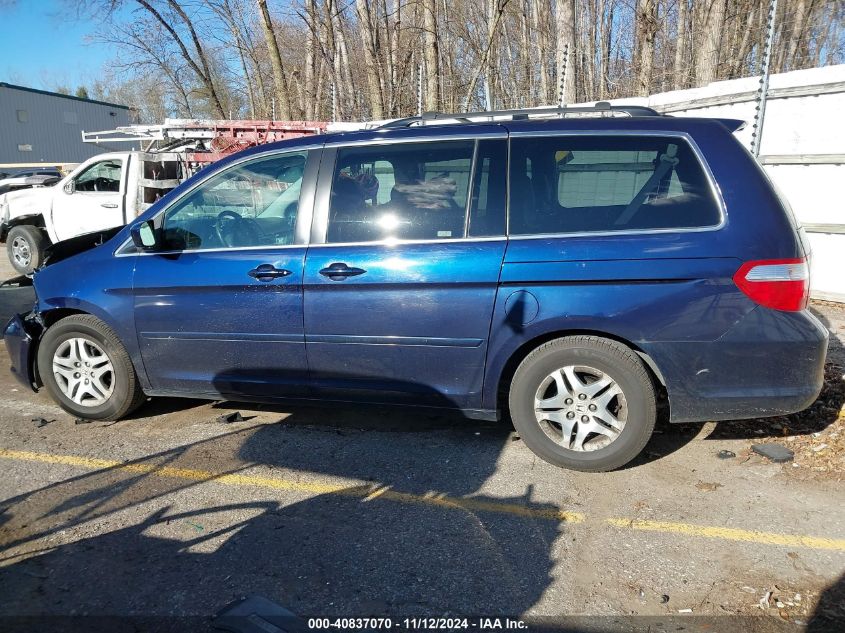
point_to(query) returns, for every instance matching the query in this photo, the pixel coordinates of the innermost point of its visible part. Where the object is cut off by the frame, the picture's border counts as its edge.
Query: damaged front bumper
(21, 336)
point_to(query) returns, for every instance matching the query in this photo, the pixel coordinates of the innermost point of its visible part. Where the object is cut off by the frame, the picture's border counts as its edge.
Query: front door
(401, 277)
(220, 310)
(93, 201)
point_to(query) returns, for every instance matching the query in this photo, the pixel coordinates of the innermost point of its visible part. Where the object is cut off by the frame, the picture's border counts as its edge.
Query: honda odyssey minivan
(572, 274)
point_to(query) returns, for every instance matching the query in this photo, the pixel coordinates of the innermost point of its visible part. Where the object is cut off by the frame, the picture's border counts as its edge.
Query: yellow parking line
(363, 491)
(371, 492)
(731, 534)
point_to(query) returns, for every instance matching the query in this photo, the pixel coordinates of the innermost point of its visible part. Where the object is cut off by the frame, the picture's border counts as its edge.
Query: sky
(42, 45)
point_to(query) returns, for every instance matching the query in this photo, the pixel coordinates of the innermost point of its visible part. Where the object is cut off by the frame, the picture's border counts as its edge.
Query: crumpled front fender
(21, 336)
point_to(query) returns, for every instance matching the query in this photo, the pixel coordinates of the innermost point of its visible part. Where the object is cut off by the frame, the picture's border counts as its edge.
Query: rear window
(573, 184)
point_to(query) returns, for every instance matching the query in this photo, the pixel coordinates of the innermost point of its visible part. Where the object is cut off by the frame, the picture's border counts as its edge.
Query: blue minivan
(576, 275)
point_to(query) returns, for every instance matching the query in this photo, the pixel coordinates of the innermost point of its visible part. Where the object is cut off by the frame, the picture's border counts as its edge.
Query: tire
(108, 395)
(25, 245)
(623, 410)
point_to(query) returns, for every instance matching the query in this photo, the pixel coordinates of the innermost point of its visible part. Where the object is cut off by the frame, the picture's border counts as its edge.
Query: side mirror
(70, 187)
(144, 236)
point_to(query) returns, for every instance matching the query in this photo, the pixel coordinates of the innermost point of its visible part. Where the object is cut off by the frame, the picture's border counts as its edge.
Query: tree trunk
(310, 50)
(745, 45)
(565, 50)
(798, 28)
(707, 56)
(279, 79)
(497, 6)
(606, 40)
(539, 23)
(367, 27)
(431, 98)
(393, 23)
(681, 67)
(646, 21)
(342, 69)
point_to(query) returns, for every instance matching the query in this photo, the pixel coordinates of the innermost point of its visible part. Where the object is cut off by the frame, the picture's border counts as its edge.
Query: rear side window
(574, 184)
(416, 191)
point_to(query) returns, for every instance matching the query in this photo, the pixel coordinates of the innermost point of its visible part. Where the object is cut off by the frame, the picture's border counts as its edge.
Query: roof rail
(602, 107)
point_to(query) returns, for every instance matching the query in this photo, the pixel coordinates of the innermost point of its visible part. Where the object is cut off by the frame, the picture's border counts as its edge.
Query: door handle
(109, 205)
(339, 271)
(268, 272)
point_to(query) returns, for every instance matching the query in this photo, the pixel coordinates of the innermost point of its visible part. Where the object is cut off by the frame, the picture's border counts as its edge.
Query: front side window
(573, 184)
(101, 177)
(409, 191)
(250, 204)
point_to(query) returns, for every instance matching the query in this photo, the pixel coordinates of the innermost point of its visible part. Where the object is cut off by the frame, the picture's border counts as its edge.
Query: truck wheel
(583, 402)
(86, 369)
(25, 245)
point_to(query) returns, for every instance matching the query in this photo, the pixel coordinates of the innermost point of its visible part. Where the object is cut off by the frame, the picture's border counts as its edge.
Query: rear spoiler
(733, 125)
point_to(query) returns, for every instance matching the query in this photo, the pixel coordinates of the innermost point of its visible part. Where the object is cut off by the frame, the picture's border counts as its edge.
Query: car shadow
(399, 524)
(829, 614)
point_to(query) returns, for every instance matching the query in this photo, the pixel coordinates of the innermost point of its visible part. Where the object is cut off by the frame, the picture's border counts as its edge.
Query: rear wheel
(25, 245)
(86, 369)
(583, 402)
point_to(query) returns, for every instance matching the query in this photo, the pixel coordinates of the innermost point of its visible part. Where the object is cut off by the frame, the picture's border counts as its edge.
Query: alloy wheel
(580, 408)
(83, 372)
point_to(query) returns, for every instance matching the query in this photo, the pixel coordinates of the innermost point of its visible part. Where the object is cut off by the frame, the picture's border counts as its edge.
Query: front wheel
(86, 369)
(584, 403)
(25, 245)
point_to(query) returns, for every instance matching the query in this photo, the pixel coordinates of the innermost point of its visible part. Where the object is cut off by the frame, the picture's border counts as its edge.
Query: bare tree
(222, 57)
(279, 78)
(369, 37)
(200, 67)
(646, 21)
(497, 7)
(707, 55)
(432, 55)
(565, 48)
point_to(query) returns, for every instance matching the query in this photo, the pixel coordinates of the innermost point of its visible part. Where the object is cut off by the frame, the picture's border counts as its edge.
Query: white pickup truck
(106, 191)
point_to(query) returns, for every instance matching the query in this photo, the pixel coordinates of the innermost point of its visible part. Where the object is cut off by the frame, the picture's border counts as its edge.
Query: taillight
(781, 284)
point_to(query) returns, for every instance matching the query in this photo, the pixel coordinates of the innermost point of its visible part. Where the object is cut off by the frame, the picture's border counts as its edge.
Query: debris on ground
(664, 599)
(707, 486)
(42, 421)
(776, 453)
(764, 601)
(81, 421)
(816, 435)
(228, 418)
(725, 454)
(684, 610)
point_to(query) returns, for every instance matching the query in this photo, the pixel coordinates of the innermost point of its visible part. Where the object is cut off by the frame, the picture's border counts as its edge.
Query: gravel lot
(371, 511)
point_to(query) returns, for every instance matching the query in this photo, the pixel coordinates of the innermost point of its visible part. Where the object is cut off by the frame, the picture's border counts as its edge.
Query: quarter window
(571, 184)
(400, 191)
(487, 212)
(251, 204)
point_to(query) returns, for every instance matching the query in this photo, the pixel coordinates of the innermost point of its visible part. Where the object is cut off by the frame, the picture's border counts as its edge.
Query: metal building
(43, 127)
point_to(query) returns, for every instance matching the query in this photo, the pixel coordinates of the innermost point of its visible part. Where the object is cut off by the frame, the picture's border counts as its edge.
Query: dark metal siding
(53, 127)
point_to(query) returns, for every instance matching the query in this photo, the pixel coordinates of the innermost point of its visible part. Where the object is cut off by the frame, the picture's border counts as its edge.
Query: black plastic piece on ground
(81, 421)
(228, 418)
(256, 614)
(42, 421)
(775, 452)
(725, 454)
